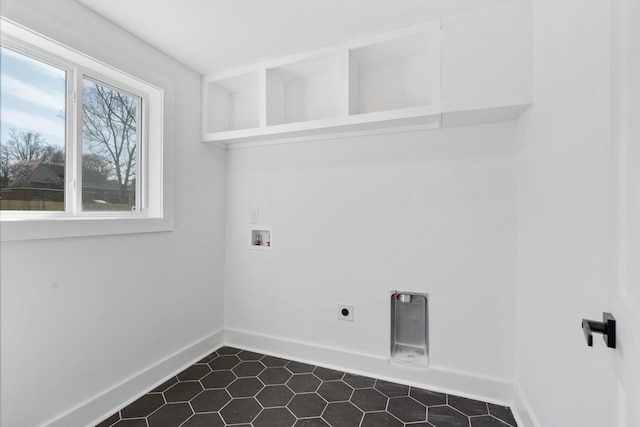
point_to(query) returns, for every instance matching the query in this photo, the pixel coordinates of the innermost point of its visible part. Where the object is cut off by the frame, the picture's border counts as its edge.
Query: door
(625, 140)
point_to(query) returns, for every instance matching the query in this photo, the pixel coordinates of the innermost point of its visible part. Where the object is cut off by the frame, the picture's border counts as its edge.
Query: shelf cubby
(395, 74)
(232, 103)
(466, 68)
(303, 91)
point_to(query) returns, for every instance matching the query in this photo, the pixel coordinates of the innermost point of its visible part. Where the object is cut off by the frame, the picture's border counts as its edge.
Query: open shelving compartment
(395, 74)
(303, 91)
(388, 80)
(232, 103)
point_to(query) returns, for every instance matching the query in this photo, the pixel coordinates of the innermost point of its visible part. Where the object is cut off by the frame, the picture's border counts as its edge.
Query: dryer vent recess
(409, 341)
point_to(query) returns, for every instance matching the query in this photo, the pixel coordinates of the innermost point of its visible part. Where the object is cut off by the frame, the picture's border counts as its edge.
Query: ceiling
(214, 35)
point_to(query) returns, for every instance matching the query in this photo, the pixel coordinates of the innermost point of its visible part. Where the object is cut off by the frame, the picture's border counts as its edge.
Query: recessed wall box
(261, 237)
(409, 328)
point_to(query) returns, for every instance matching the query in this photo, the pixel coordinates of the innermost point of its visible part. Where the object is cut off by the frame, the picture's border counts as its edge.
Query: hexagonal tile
(224, 362)
(358, 381)
(303, 383)
(274, 417)
(446, 416)
(502, 413)
(245, 387)
(274, 395)
(468, 406)
(369, 399)
(342, 414)
(138, 422)
(427, 397)
(326, 374)
(249, 355)
(275, 375)
(407, 410)
(223, 351)
(210, 400)
(193, 373)
(170, 414)
(183, 391)
(240, 411)
(218, 379)
(307, 405)
(311, 422)
(111, 420)
(335, 391)
(272, 362)
(208, 358)
(248, 369)
(300, 368)
(487, 421)
(380, 419)
(165, 385)
(204, 420)
(143, 406)
(391, 389)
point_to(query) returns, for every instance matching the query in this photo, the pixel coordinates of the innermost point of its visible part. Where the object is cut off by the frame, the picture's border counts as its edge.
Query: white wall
(83, 315)
(563, 202)
(429, 211)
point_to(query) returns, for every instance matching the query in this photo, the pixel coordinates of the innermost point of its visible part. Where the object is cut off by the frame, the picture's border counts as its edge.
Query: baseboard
(98, 408)
(464, 384)
(521, 409)
(495, 390)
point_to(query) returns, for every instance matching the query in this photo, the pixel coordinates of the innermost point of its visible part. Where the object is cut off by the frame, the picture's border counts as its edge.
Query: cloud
(50, 99)
(52, 129)
(42, 67)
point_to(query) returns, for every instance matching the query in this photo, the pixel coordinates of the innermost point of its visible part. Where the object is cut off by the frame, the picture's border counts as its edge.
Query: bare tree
(25, 146)
(53, 155)
(95, 169)
(5, 166)
(22, 153)
(109, 122)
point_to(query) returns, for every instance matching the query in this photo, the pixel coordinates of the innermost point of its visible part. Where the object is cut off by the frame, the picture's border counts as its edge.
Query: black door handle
(607, 328)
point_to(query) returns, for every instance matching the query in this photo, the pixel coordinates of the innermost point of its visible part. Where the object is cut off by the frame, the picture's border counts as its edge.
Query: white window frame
(153, 212)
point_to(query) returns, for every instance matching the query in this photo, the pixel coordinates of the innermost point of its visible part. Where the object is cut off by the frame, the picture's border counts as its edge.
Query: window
(79, 140)
(33, 141)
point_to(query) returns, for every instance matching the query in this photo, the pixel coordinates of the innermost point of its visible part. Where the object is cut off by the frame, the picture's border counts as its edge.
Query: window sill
(37, 229)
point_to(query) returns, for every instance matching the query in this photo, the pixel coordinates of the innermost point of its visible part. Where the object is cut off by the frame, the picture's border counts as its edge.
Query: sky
(32, 97)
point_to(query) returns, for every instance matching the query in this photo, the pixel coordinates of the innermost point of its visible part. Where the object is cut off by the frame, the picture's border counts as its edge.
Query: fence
(41, 205)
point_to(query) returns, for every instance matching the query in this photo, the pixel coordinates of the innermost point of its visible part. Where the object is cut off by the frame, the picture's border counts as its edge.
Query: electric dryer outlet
(345, 312)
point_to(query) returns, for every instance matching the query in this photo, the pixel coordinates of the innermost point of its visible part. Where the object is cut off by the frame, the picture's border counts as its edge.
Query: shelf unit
(391, 79)
(469, 67)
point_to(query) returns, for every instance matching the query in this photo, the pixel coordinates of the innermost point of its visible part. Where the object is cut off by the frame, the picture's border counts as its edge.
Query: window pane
(32, 141)
(110, 120)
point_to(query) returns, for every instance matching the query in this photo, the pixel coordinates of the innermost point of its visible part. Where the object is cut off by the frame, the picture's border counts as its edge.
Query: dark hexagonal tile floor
(240, 388)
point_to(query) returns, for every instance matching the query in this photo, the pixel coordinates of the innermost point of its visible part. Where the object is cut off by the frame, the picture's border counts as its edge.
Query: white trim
(522, 410)
(488, 389)
(104, 405)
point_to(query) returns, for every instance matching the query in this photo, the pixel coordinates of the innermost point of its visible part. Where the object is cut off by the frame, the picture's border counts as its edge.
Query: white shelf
(304, 91)
(368, 84)
(475, 69)
(231, 103)
(395, 74)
